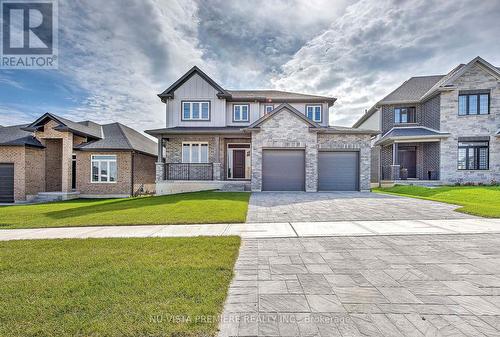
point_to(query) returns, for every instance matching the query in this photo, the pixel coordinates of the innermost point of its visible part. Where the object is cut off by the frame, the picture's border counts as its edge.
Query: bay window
(104, 169)
(473, 155)
(196, 111)
(195, 152)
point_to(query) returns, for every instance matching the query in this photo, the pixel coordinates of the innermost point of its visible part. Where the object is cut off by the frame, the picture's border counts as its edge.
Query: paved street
(342, 206)
(425, 285)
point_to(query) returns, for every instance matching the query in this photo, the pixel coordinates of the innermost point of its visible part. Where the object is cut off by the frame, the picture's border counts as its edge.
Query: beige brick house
(56, 158)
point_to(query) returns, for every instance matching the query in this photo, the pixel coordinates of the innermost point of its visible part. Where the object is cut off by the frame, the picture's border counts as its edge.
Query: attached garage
(283, 170)
(338, 171)
(6, 183)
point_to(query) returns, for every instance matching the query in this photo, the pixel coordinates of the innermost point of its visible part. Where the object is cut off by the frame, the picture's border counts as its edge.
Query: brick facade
(144, 173)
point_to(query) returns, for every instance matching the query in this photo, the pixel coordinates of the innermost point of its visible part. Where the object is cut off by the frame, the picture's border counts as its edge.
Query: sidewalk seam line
(293, 228)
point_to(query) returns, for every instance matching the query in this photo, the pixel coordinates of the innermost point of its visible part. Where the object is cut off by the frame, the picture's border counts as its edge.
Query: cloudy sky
(114, 58)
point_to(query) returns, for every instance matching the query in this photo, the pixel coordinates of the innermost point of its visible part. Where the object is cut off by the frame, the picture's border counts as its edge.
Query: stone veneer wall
(351, 142)
(285, 130)
(83, 174)
(470, 126)
(375, 164)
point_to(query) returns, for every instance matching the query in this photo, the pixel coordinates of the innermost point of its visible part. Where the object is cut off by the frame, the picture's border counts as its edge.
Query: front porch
(196, 162)
(410, 162)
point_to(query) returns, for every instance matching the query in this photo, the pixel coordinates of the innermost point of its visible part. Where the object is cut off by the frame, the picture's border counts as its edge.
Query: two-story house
(263, 140)
(440, 129)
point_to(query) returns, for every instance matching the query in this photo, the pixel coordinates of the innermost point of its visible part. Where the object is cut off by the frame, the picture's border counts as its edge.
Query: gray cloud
(375, 45)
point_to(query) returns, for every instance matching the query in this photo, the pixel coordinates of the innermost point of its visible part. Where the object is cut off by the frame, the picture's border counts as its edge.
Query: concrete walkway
(265, 230)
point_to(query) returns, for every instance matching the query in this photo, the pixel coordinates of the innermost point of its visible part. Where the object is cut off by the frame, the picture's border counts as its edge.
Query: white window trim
(265, 108)
(99, 169)
(199, 155)
(241, 113)
(320, 112)
(191, 111)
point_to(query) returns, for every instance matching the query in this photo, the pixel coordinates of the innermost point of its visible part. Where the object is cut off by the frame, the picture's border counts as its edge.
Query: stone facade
(476, 78)
(285, 130)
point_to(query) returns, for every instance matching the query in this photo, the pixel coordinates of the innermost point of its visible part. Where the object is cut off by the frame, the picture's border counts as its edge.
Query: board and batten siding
(196, 88)
(254, 113)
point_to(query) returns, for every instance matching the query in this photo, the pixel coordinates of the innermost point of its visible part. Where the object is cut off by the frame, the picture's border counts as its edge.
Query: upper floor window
(196, 111)
(405, 115)
(195, 152)
(268, 108)
(240, 112)
(104, 169)
(313, 112)
(473, 155)
(474, 104)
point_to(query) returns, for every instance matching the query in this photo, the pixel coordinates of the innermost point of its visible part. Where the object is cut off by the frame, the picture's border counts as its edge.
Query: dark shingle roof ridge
(273, 91)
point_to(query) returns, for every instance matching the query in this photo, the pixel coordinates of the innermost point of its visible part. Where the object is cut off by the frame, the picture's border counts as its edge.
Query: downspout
(132, 178)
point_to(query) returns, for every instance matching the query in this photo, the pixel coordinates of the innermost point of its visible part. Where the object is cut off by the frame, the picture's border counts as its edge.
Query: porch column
(395, 167)
(160, 163)
(217, 165)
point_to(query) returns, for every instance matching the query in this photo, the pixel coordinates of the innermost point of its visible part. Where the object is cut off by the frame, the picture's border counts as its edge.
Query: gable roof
(277, 96)
(258, 123)
(169, 92)
(412, 89)
(16, 136)
(117, 136)
(86, 129)
(421, 88)
(244, 95)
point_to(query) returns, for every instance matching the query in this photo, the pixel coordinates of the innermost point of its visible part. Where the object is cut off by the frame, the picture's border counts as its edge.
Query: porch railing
(395, 172)
(189, 171)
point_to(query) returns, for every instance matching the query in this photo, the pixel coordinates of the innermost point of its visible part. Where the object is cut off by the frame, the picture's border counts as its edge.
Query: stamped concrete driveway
(420, 285)
(344, 206)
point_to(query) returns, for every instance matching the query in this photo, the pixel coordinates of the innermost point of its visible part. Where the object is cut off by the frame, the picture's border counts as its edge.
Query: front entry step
(54, 196)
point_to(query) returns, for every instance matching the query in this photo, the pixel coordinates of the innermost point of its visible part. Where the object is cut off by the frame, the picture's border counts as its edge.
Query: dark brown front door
(239, 164)
(408, 160)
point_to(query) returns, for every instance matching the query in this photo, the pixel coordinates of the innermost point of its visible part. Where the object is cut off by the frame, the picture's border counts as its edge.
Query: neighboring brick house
(440, 129)
(263, 140)
(56, 158)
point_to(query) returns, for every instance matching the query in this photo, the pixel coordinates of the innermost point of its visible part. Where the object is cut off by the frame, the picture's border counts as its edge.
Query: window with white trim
(104, 169)
(196, 111)
(268, 108)
(195, 152)
(313, 112)
(240, 112)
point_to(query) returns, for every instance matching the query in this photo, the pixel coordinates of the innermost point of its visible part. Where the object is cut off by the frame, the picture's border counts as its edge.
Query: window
(268, 108)
(104, 169)
(196, 111)
(473, 155)
(240, 112)
(313, 112)
(195, 152)
(474, 104)
(405, 115)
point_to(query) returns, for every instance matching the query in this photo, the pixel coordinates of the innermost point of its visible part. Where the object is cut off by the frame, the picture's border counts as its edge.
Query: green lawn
(114, 287)
(188, 208)
(477, 200)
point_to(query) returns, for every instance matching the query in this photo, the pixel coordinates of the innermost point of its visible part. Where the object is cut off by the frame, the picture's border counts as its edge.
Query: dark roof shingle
(16, 136)
(412, 89)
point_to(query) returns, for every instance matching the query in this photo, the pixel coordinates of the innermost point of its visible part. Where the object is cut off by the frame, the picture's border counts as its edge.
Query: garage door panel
(283, 170)
(338, 171)
(6, 182)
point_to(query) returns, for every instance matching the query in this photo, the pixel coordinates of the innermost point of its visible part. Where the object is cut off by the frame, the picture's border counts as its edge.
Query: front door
(239, 164)
(408, 160)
